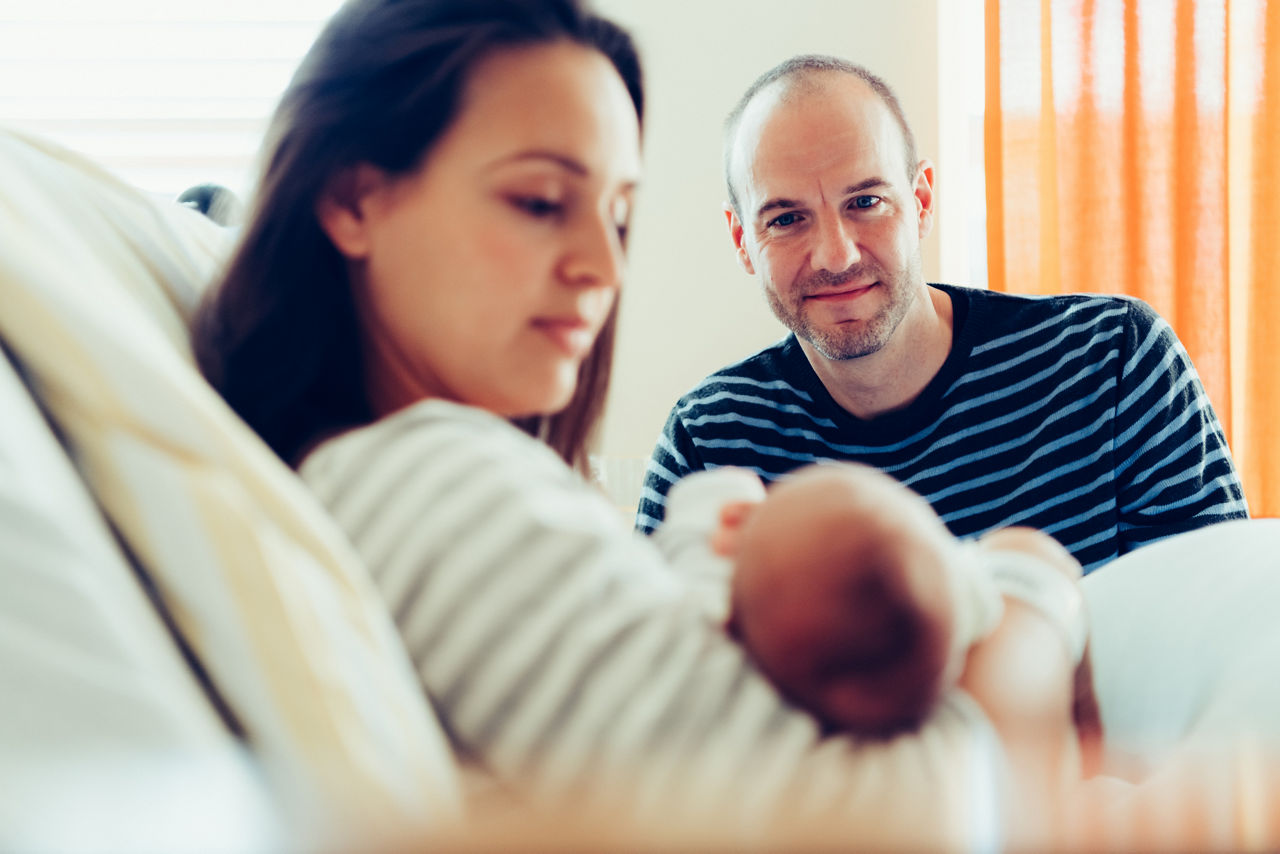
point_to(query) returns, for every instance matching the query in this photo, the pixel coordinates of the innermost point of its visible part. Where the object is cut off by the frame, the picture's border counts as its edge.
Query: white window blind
(166, 93)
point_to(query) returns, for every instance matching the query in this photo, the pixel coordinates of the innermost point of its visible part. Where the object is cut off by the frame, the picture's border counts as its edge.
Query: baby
(853, 597)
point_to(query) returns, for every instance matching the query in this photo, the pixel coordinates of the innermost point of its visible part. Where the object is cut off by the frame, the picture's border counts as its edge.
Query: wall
(687, 308)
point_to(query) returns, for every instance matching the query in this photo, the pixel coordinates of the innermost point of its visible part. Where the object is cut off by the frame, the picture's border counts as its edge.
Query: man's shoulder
(1047, 304)
(772, 375)
(763, 362)
(998, 313)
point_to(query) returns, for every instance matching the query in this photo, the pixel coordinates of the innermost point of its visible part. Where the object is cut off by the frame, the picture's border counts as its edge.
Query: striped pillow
(97, 281)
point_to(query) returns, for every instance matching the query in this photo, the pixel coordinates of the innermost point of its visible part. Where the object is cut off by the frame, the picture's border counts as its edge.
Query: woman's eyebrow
(563, 160)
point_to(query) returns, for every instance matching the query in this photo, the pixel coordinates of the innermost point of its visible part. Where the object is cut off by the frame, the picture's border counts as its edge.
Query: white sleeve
(559, 647)
(977, 604)
(693, 515)
(981, 578)
(1039, 584)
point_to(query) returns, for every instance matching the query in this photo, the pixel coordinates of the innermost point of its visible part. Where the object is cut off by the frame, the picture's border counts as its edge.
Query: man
(1079, 415)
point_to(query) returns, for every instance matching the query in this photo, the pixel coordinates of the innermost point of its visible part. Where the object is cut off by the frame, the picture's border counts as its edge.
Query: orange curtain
(1133, 147)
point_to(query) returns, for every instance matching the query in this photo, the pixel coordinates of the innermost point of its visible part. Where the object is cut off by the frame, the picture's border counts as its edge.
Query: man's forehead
(793, 129)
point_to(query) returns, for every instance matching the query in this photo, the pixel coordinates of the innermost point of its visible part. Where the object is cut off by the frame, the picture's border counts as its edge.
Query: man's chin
(840, 343)
(842, 348)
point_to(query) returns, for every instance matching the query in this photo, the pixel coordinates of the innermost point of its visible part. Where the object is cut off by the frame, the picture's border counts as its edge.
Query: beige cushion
(96, 283)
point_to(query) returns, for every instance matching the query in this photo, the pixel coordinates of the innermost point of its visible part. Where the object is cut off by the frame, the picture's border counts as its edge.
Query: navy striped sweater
(1080, 415)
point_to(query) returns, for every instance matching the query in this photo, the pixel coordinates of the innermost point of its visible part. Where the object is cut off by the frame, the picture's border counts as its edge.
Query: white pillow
(1185, 642)
(96, 281)
(85, 661)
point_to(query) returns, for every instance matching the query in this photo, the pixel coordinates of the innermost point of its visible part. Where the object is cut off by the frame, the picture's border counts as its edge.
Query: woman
(434, 258)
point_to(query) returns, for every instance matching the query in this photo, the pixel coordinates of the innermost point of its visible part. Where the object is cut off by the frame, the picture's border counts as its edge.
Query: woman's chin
(535, 401)
(559, 391)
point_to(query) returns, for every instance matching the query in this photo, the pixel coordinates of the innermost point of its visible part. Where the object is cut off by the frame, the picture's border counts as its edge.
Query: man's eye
(537, 206)
(784, 220)
(865, 202)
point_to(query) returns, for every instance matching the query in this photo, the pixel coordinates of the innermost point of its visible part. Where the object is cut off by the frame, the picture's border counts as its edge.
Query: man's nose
(836, 247)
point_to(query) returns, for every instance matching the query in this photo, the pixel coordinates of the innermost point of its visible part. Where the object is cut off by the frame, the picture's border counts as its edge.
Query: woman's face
(485, 276)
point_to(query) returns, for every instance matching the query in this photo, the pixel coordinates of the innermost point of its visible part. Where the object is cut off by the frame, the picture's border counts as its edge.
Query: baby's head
(841, 596)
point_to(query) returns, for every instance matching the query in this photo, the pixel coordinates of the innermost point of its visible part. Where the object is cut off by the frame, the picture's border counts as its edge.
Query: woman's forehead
(559, 98)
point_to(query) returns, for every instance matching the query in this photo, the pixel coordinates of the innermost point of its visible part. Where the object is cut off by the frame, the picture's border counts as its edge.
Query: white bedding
(1186, 641)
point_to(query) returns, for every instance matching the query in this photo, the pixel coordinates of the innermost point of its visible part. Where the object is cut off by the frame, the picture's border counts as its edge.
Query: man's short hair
(799, 68)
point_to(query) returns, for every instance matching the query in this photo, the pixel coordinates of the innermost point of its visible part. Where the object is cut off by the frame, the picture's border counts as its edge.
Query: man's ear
(738, 235)
(344, 205)
(924, 197)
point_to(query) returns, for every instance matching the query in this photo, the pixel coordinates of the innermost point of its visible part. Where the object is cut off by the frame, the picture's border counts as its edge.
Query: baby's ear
(731, 626)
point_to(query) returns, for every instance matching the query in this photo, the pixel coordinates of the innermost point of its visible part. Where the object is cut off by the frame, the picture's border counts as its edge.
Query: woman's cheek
(517, 254)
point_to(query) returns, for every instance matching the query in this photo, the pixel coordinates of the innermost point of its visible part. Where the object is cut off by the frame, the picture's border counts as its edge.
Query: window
(166, 94)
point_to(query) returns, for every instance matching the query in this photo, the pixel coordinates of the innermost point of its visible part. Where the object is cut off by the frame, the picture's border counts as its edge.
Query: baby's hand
(733, 516)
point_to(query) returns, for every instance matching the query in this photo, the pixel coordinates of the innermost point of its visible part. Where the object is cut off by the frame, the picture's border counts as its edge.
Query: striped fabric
(1079, 415)
(96, 280)
(560, 649)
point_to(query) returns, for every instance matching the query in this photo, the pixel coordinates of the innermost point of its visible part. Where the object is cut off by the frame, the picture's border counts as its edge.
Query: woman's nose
(596, 256)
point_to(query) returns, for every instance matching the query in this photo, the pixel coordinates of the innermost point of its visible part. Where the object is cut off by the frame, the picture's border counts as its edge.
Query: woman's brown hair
(278, 335)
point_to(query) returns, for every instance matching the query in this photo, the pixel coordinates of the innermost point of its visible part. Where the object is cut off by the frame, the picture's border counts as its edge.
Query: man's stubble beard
(846, 341)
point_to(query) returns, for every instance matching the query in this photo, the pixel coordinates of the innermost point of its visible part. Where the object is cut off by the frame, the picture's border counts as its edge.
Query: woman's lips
(573, 336)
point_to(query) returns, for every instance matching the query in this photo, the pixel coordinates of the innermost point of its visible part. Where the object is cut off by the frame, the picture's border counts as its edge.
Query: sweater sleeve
(560, 649)
(675, 456)
(1173, 468)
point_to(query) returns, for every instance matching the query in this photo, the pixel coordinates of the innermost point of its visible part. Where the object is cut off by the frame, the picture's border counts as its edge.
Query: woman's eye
(865, 202)
(538, 206)
(784, 220)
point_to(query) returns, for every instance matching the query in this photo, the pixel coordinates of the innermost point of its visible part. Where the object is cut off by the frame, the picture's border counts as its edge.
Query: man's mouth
(842, 294)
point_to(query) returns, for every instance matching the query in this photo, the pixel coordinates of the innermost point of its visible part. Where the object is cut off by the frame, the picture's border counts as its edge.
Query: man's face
(832, 216)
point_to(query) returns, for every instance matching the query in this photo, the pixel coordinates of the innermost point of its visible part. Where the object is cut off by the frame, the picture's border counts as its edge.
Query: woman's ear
(345, 204)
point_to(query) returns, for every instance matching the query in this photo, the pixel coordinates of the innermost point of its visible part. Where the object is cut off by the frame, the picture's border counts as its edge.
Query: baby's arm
(1026, 672)
(1085, 712)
